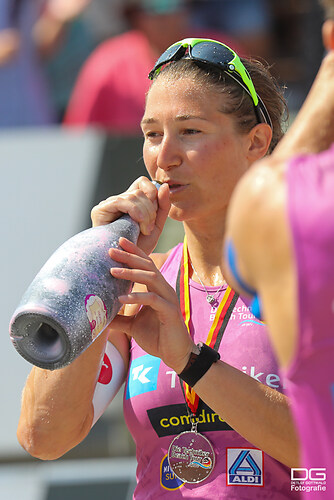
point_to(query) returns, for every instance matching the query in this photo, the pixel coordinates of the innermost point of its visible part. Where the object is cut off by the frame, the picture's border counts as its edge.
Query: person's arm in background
(313, 129)
(51, 26)
(9, 45)
(9, 34)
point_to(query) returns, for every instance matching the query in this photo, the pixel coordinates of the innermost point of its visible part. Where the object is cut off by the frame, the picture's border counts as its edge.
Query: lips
(174, 185)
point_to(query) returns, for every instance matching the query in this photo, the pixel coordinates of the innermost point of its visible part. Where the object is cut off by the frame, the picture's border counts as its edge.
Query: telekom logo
(106, 371)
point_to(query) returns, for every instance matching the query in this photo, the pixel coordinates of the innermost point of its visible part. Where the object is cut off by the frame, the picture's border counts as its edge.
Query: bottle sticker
(96, 313)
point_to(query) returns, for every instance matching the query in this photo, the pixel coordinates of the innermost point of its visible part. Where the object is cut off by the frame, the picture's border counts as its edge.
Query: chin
(177, 213)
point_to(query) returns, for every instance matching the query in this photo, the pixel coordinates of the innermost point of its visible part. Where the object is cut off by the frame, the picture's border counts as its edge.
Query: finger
(150, 299)
(134, 249)
(139, 201)
(143, 277)
(153, 280)
(131, 260)
(138, 260)
(146, 185)
(136, 204)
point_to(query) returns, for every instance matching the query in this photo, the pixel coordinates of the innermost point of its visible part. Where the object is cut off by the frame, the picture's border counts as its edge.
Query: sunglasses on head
(215, 54)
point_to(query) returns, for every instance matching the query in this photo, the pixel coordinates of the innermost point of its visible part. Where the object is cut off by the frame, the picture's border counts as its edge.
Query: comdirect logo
(308, 480)
(244, 467)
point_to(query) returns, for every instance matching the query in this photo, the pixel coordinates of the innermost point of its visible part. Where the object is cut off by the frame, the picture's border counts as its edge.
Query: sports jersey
(155, 410)
(310, 377)
(110, 90)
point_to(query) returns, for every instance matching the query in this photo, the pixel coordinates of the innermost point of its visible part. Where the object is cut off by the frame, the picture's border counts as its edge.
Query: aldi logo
(244, 467)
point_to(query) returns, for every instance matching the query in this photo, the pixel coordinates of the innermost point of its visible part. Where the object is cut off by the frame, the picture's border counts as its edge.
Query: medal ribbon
(218, 326)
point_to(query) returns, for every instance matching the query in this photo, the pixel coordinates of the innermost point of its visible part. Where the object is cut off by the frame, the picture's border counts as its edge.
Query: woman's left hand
(158, 327)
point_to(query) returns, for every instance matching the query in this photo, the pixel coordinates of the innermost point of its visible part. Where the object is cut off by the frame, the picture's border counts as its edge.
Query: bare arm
(52, 24)
(260, 414)
(57, 409)
(257, 412)
(313, 129)
(9, 45)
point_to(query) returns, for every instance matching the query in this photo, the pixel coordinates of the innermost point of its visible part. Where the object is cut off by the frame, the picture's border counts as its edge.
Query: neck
(205, 246)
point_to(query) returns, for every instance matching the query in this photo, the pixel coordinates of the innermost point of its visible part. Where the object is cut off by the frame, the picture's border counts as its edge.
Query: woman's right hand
(145, 205)
(158, 327)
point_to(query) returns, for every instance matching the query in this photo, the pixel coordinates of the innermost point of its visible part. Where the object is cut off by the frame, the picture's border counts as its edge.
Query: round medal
(191, 457)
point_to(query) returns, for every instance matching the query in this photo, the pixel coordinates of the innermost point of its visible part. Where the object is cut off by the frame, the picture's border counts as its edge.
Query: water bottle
(72, 298)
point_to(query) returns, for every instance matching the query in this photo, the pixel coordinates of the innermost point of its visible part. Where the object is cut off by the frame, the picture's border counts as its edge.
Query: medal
(191, 456)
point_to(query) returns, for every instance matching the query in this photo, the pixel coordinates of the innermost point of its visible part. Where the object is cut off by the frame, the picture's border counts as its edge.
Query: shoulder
(257, 219)
(259, 195)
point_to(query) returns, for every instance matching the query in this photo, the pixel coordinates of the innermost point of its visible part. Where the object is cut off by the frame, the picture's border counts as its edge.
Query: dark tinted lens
(212, 52)
(167, 56)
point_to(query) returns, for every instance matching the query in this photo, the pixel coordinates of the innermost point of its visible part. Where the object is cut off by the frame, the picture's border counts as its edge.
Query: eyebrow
(179, 118)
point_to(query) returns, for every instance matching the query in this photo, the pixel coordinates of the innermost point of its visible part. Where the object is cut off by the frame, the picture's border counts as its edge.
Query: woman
(203, 127)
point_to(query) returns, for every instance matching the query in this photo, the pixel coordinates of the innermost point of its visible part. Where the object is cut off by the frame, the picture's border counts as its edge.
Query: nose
(169, 153)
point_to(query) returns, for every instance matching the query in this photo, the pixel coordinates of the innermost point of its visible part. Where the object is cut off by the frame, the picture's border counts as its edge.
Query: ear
(260, 138)
(328, 34)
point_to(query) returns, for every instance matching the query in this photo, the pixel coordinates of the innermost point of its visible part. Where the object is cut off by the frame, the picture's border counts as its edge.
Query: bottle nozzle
(157, 183)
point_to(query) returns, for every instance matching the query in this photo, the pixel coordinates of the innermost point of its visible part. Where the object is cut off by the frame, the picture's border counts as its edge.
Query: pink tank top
(310, 378)
(155, 411)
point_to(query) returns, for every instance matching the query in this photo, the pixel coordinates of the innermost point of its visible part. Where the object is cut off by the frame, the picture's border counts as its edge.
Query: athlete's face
(193, 146)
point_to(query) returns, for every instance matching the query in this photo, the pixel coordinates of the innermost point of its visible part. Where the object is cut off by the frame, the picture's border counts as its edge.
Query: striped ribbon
(218, 326)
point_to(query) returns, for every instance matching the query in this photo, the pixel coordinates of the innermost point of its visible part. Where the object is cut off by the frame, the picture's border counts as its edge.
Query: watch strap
(198, 364)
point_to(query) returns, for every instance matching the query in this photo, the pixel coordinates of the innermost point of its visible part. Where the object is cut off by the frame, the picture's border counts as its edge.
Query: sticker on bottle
(96, 313)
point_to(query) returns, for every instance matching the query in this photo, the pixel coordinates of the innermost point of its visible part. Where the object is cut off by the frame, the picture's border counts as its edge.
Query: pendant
(210, 299)
(191, 457)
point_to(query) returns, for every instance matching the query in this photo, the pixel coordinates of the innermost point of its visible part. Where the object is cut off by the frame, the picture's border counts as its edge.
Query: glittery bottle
(72, 298)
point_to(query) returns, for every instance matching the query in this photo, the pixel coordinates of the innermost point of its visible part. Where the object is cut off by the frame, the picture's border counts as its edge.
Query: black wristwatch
(198, 364)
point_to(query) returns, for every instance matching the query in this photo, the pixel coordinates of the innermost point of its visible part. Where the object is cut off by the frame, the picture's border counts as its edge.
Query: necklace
(211, 299)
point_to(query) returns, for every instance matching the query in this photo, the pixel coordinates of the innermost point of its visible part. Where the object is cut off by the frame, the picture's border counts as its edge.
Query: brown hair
(239, 103)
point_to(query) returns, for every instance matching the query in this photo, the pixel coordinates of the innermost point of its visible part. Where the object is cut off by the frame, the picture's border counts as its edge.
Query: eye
(151, 134)
(191, 131)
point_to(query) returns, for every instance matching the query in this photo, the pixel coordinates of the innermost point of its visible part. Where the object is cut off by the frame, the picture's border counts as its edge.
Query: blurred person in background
(105, 19)
(30, 30)
(287, 269)
(63, 66)
(247, 21)
(110, 90)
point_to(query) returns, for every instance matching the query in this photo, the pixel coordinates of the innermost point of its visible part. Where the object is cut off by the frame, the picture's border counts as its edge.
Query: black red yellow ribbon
(218, 326)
